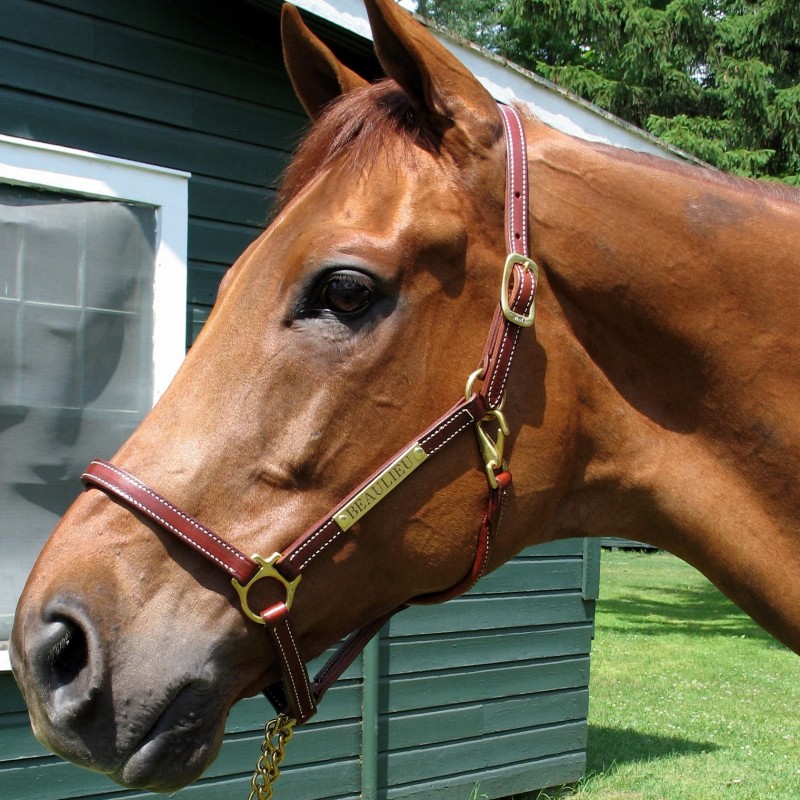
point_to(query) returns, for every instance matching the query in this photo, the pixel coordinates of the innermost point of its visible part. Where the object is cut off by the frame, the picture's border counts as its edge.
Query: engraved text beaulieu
(394, 474)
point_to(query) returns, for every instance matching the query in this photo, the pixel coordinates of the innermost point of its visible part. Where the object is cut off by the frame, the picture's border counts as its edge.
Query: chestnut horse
(656, 399)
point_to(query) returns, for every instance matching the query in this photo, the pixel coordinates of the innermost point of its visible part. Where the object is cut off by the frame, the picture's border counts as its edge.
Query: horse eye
(345, 294)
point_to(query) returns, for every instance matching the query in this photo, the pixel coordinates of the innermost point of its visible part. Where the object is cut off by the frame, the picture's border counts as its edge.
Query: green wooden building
(159, 128)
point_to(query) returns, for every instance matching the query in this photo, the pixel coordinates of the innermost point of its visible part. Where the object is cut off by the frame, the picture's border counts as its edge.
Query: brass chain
(277, 733)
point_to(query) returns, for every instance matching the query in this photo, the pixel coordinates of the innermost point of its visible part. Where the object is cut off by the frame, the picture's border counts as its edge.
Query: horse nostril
(64, 657)
(69, 654)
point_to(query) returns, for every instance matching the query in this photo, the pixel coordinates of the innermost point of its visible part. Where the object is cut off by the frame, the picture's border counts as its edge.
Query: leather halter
(295, 695)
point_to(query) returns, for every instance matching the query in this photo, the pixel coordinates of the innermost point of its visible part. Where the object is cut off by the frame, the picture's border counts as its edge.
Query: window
(92, 322)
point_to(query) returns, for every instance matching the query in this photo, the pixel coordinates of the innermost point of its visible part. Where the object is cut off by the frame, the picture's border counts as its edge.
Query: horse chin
(177, 748)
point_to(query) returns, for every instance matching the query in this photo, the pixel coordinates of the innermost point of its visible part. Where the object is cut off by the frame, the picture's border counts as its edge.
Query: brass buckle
(267, 570)
(492, 449)
(523, 320)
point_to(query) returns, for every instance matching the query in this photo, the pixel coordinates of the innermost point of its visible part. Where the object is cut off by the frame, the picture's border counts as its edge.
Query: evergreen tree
(718, 78)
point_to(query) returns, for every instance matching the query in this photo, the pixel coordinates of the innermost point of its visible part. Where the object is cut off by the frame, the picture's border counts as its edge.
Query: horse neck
(677, 292)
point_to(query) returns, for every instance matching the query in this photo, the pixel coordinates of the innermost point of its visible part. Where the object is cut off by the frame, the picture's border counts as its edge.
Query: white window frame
(46, 166)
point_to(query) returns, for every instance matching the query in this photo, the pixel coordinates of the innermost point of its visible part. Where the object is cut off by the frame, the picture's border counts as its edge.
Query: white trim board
(46, 166)
(50, 166)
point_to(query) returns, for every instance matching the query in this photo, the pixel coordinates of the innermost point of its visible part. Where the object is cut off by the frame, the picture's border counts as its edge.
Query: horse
(654, 398)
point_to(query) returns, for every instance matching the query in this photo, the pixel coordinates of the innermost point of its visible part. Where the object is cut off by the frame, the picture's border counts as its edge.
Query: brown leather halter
(295, 695)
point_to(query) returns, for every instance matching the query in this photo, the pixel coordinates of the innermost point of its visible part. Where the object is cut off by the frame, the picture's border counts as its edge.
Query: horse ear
(317, 75)
(438, 84)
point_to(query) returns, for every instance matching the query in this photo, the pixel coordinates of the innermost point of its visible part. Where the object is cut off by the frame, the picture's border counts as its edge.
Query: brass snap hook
(492, 450)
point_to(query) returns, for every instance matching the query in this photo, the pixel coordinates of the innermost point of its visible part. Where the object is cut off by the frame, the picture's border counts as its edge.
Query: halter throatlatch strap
(480, 409)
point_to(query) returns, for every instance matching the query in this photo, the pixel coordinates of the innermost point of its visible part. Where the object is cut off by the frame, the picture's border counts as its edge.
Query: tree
(718, 78)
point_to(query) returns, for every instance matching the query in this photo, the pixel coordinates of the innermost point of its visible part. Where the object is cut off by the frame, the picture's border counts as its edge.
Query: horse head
(653, 401)
(346, 327)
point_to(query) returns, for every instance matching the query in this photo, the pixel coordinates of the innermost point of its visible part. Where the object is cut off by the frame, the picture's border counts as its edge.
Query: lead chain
(277, 733)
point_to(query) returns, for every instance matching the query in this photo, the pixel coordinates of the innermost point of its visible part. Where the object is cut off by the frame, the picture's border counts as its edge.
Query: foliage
(718, 78)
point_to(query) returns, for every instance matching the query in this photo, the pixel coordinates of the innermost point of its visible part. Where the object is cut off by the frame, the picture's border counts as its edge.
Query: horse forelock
(356, 129)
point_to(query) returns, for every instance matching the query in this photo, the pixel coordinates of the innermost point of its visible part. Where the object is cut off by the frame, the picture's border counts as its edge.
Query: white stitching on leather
(311, 540)
(510, 166)
(445, 425)
(508, 113)
(514, 341)
(162, 501)
(277, 639)
(524, 197)
(153, 515)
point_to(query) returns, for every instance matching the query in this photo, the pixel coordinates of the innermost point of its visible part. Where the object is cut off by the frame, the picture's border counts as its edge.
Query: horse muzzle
(142, 728)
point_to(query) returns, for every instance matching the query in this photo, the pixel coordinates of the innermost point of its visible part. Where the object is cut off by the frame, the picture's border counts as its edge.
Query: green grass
(689, 699)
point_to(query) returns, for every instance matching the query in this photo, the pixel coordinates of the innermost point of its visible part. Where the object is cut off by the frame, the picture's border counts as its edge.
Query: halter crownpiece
(295, 696)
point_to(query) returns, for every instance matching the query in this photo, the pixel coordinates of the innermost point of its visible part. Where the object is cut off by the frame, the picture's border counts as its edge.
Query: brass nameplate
(394, 474)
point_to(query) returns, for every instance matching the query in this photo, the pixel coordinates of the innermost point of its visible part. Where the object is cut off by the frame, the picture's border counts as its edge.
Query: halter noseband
(294, 695)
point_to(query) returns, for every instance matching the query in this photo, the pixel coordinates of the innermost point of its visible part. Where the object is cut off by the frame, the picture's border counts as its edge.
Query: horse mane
(358, 127)
(363, 124)
(773, 189)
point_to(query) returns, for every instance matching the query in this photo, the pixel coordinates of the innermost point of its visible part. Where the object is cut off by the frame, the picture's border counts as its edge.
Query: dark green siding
(151, 82)
(491, 688)
(177, 84)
